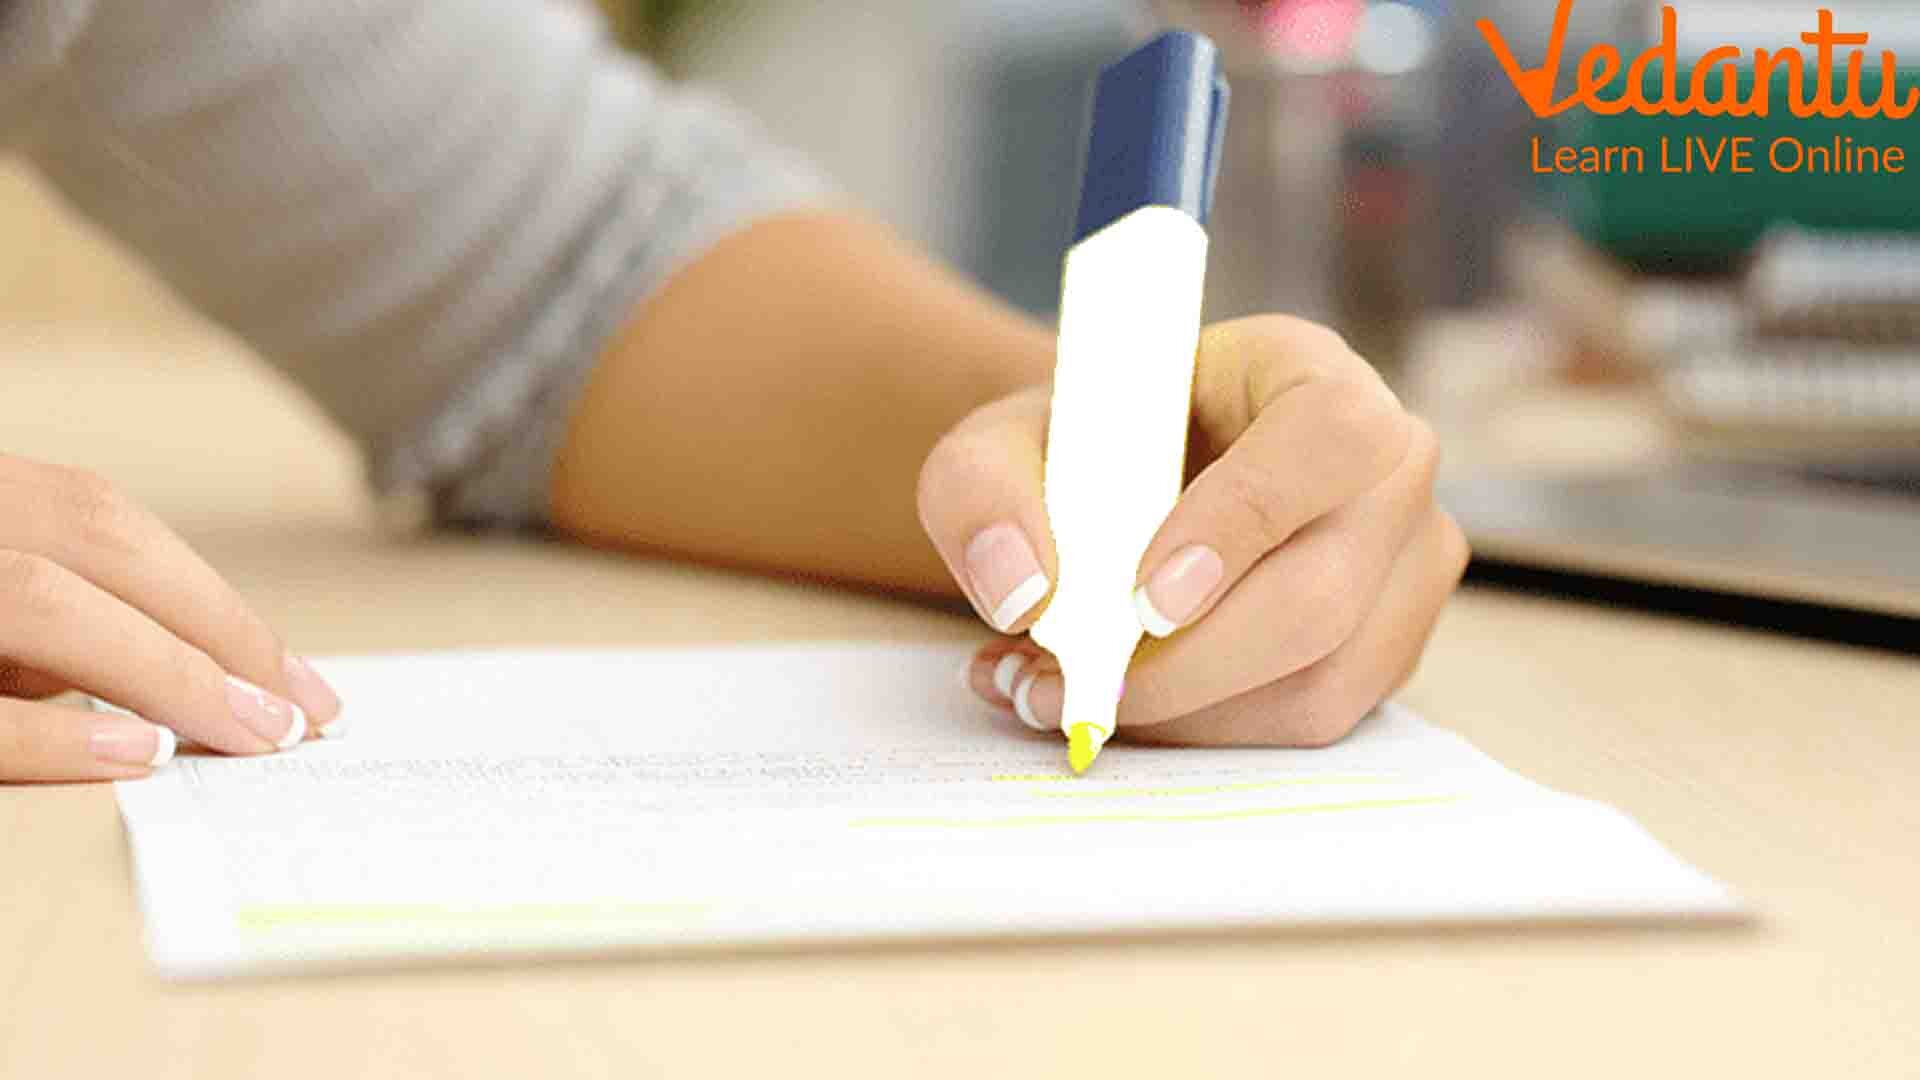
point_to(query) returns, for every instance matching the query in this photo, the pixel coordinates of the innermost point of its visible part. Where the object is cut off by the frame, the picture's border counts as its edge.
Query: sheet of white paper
(491, 802)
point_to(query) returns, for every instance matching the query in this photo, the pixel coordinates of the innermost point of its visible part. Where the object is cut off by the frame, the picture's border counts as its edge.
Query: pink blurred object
(1314, 30)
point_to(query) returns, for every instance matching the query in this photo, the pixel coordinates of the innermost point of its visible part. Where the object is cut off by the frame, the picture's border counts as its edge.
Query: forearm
(771, 406)
(430, 214)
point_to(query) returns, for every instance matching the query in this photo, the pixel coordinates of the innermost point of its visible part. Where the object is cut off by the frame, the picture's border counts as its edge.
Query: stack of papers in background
(1815, 342)
(1829, 342)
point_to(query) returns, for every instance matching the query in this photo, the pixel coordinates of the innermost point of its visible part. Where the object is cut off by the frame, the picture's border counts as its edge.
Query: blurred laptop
(1843, 534)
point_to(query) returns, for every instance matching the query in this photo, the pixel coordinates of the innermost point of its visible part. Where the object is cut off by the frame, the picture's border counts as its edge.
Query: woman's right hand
(97, 595)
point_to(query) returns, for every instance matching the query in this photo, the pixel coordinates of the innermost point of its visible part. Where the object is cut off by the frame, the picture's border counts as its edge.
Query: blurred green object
(1702, 222)
(648, 26)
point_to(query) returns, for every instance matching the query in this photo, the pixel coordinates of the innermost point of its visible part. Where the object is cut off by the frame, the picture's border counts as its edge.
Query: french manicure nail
(1175, 591)
(1005, 574)
(1037, 701)
(134, 743)
(311, 692)
(1006, 671)
(274, 719)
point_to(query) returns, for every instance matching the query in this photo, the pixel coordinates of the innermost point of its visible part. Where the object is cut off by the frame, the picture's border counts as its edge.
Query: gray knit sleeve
(431, 213)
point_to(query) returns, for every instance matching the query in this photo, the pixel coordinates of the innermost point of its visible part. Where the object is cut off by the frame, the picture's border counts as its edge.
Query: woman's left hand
(1291, 589)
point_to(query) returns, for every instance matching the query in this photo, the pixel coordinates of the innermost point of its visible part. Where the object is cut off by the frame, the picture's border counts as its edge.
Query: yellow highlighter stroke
(1207, 789)
(1029, 820)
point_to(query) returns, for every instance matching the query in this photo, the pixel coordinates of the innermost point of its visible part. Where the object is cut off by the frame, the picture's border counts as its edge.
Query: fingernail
(313, 695)
(1037, 701)
(131, 742)
(1177, 589)
(274, 719)
(1006, 671)
(1005, 574)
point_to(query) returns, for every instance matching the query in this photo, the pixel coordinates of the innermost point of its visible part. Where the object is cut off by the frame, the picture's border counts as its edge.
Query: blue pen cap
(1154, 140)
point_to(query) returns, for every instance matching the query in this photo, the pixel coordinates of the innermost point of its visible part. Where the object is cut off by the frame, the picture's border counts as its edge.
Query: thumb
(980, 504)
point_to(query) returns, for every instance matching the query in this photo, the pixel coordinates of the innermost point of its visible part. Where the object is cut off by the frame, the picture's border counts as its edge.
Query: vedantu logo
(1713, 84)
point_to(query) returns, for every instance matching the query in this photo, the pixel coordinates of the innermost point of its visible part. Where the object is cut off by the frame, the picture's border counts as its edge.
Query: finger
(51, 743)
(1034, 691)
(1040, 692)
(980, 504)
(996, 667)
(1306, 427)
(59, 623)
(1024, 680)
(84, 525)
(1296, 606)
(20, 681)
(1321, 704)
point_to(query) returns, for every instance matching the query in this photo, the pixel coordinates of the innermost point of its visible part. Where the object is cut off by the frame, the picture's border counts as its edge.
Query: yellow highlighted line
(1205, 789)
(1112, 819)
(268, 917)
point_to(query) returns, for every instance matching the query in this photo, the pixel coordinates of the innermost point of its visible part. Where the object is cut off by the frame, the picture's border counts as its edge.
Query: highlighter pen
(1123, 371)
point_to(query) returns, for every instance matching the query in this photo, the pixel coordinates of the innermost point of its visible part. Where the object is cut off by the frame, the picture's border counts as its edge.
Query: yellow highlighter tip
(1082, 748)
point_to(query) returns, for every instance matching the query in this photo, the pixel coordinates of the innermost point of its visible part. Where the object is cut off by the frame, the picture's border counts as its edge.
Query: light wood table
(1784, 767)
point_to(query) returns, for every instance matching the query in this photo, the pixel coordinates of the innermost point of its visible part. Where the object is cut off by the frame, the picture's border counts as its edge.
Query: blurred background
(1707, 382)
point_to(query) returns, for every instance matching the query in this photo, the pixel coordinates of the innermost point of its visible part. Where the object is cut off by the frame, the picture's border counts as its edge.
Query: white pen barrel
(1116, 439)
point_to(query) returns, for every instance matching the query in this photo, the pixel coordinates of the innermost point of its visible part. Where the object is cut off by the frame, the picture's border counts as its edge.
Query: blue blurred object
(1154, 138)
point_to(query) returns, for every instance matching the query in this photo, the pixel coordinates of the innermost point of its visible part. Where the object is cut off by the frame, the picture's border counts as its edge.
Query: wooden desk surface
(1784, 767)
